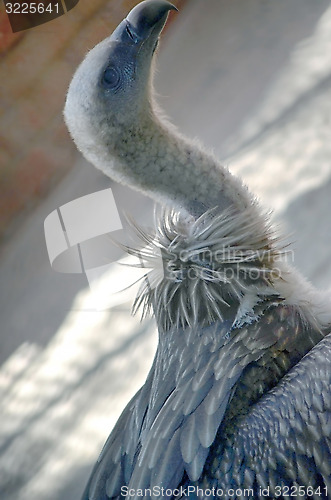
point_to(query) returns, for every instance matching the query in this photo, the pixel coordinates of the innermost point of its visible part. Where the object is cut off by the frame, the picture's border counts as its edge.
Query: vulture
(237, 403)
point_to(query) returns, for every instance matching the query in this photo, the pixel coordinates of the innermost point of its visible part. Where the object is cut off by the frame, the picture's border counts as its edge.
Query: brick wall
(36, 66)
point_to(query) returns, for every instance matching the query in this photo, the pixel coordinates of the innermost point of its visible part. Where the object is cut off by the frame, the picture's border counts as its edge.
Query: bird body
(239, 392)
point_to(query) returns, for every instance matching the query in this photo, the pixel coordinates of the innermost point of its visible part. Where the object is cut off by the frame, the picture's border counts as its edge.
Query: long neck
(160, 162)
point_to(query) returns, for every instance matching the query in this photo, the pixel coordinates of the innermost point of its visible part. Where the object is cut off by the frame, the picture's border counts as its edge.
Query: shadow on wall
(47, 428)
(226, 65)
(311, 233)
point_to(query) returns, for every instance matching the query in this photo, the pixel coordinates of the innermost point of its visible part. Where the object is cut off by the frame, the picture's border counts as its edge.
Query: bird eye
(111, 77)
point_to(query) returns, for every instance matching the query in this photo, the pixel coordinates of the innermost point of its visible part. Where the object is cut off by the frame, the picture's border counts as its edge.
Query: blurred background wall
(36, 66)
(249, 78)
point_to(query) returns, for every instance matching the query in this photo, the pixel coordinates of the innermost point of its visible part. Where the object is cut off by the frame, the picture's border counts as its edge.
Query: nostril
(155, 46)
(129, 32)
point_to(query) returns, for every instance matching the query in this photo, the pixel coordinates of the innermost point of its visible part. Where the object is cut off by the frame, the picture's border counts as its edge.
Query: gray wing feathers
(114, 466)
(187, 422)
(286, 437)
(171, 424)
(189, 440)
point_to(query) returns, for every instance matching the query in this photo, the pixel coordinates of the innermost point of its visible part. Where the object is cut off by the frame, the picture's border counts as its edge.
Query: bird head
(109, 95)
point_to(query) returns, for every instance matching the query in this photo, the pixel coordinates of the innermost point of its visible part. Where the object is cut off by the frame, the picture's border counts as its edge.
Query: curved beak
(145, 20)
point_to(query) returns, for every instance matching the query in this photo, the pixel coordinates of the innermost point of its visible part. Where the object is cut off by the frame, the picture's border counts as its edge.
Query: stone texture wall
(36, 66)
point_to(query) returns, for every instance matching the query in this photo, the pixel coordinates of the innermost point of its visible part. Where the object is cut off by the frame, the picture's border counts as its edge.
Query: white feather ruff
(217, 267)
